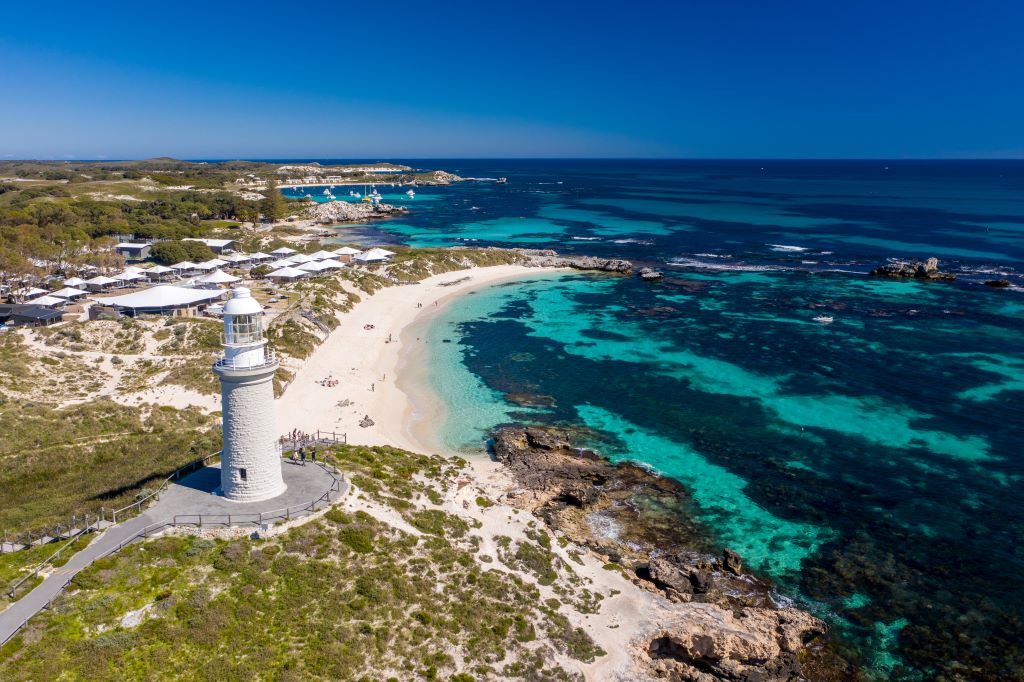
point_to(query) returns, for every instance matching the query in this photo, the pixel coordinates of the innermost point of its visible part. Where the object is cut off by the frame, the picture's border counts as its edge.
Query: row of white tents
(292, 265)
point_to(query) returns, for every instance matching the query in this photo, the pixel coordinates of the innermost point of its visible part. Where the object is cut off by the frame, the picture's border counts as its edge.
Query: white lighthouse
(250, 468)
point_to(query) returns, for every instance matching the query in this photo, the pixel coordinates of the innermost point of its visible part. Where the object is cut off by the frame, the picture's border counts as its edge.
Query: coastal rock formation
(709, 643)
(724, 624)
(440, 177)
(543, 258)
(997, 283)
(928, 269)
(366, 422)
(345, 211)
(649, 275)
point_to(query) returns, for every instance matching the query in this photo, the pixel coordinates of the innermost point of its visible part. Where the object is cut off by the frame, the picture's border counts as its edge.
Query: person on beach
(312, 454)
(371, 388)
(302, 456)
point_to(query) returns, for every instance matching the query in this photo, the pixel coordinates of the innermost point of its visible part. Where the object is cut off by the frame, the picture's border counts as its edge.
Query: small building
(48, 301)
(133, 251)
(287, 274)
(374, 256)
(70, 293)
(346, 253)
(158, 273)
(29, 315)
(283, 251)
(216, 245)
(100, 283)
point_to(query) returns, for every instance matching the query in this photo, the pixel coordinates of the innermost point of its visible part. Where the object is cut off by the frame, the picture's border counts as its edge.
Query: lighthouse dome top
(242, 303)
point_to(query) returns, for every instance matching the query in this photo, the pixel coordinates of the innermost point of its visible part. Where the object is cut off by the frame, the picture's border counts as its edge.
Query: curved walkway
(183, 503)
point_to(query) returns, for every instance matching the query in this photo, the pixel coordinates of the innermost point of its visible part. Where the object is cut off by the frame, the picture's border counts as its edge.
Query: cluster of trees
(170, 252)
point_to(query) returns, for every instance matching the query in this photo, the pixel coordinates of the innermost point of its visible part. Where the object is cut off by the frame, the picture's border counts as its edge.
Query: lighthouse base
(251, 459)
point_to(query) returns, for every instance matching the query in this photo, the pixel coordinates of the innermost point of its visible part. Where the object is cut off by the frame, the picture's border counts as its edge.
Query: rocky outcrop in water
(345, 211)
(725, 625)
(649, 275)
(997, 283)
(439, 177)
(928, 269)
(550, 259)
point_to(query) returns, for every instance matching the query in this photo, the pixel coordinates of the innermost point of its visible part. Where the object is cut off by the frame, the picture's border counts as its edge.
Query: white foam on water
(787, 248)
(728, 267)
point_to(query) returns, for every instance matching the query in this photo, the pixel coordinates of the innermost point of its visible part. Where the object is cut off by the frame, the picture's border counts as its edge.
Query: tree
(171, 252)
(274, 206)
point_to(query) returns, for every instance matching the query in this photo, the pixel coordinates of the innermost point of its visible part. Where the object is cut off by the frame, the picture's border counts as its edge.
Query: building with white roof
(374, 256)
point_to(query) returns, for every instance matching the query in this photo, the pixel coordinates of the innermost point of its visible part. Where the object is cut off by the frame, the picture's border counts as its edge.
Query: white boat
(327, 192)
(824, 319)
(411, 193)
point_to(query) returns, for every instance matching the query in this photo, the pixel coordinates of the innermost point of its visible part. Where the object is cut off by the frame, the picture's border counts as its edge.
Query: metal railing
(269, 358)
(45, 606)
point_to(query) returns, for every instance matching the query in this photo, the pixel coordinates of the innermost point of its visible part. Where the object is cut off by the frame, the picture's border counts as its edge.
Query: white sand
(367, 365)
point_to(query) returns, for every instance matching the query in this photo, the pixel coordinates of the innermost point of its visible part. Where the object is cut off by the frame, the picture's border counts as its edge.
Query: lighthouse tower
(250, 468)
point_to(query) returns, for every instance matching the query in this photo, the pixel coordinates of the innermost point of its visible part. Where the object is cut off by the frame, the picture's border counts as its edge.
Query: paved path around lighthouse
(191, 496)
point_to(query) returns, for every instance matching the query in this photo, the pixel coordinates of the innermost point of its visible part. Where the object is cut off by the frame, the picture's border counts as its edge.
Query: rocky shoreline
(725, 624)
(345, 211)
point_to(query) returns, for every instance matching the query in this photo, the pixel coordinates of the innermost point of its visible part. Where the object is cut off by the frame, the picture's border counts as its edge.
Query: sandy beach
(376, 368)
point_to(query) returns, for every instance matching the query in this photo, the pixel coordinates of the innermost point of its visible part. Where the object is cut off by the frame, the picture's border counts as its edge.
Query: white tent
(74, 282)
(373, 256)
(312, 266)
(346, 251)
(211, 264)
(100, 283)
(321, 255)
(217, 277)
(301, 258)
(157, 271)
(129, 276)
(287, 273)
(133, 268)
(184, 266)
(259, 255)
(162, 298)
(280, 263)
(29, 291)
(283, 251)
(331, 264)
(236, 258)
(69, 293)
(48, 301)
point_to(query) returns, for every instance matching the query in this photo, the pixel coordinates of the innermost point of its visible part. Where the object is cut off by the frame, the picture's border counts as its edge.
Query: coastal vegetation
(349, 596)
(102, 455)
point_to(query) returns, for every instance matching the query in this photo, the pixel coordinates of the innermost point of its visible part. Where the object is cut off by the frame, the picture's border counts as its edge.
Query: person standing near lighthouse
(250, 462)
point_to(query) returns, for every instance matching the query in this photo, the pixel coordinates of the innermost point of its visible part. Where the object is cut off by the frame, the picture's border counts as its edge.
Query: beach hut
(74, 282)
(215, 279)
(331, 264)
(260, 257)
(158, 272)
(184, 267)
(322, 255)
(287, 274)
(300, 258)
(346, 253)
(373, 256)
(100, 283)
(280, 263)
(312, 266)
(236, 259)
(49, 301)
(27, 292)
(127, 277)
(69, 293)
(165, 299)
(208, 265)
(283, 251)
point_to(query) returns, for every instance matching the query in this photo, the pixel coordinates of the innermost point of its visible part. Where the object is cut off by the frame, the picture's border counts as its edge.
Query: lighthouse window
(241, 473)
(244, 329)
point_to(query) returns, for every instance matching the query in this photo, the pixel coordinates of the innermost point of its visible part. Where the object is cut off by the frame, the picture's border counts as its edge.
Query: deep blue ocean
(872, 466)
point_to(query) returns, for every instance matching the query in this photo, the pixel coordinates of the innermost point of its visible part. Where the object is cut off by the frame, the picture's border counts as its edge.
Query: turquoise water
(871, 466)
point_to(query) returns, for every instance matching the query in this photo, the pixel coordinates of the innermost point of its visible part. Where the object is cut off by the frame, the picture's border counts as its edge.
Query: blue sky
(717, 78)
